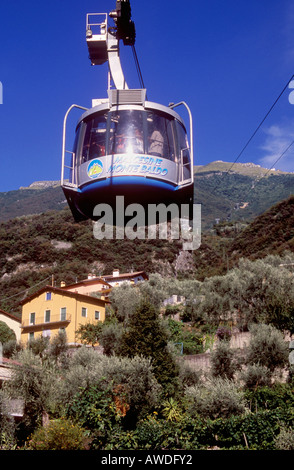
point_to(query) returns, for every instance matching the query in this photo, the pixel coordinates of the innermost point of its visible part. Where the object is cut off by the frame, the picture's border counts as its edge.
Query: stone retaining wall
(202, 361)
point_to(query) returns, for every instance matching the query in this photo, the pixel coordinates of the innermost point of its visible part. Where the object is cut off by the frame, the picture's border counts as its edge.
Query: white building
(12, 322)
(116, 278)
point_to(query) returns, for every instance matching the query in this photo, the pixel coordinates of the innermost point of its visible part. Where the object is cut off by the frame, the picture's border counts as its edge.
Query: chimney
(62, 284)
(115, 273)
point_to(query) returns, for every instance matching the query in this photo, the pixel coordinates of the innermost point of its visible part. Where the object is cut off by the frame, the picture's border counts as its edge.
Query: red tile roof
(59, 290)
(13, 317)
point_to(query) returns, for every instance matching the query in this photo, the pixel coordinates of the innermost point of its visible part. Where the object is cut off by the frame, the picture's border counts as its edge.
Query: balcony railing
(38, 321)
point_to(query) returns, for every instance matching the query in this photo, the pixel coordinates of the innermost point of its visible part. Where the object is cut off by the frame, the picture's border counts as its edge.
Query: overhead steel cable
(25, 290)
(258, 179)
(138, 67)
(282, 154)
(259, 126)
(273, 165)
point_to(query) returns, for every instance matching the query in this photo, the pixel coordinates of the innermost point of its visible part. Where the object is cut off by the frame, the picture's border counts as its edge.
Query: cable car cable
(263, 176)
(25, 290)
(138, 67)
(258, 127)
(285, 151)
(258, 179)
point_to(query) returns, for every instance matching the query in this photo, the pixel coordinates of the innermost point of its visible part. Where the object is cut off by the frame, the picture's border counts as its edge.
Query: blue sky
(229, 60)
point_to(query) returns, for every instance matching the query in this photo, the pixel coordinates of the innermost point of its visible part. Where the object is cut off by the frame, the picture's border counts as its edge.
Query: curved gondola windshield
(184, 152)
(161, 142)
(131, 142)
(94, 141)
(126, 132)
(131, 132)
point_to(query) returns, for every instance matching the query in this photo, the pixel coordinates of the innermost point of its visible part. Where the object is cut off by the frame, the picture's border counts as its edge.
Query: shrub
(171, 310)
(216, 398)
(271, 398)
(6, 333)
(171, 410)
(188, 376)
(186, 336)
(135, 376)
(58, 346)
(125, 392)
(285, 440)
(254, 431)
(59, 434)
(153, 433)
(95, 410)
(131, 377)
(110, 337)
(267, 347)
(185, 315)
(11, 347)
(89, 333)
(39, 345)
(256, 375)
(223, 361)
(7, 425)
(35, 383)
(223, 333)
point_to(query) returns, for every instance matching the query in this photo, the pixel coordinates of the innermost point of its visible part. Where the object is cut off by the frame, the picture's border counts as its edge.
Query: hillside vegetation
(32, 200)
(142, 392)
(270, 233)
(40, 242)
(238, 194)
(34, 248)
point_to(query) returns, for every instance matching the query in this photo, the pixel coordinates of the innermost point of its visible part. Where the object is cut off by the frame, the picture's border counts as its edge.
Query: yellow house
(52, 309)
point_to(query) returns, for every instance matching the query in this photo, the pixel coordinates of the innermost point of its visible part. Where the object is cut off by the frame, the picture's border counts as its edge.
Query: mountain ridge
(249, 168)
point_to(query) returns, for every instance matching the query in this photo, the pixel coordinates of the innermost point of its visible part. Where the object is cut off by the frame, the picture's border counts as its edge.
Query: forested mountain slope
(225, 193)
(239, 194)
(34, 248)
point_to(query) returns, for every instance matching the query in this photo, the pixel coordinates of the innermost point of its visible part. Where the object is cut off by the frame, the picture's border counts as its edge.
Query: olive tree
(216, 398)
(35, 383)
(127, 384)
(224, 362)
(267, 347)
(253, 292)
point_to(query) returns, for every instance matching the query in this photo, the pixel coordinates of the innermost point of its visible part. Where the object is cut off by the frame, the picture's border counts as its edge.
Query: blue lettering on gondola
(138, 164)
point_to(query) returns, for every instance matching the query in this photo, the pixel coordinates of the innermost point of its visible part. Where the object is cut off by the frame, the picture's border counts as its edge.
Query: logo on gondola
(95, 168)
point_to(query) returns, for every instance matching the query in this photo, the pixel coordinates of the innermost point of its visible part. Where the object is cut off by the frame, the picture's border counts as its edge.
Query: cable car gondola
(125, 145)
